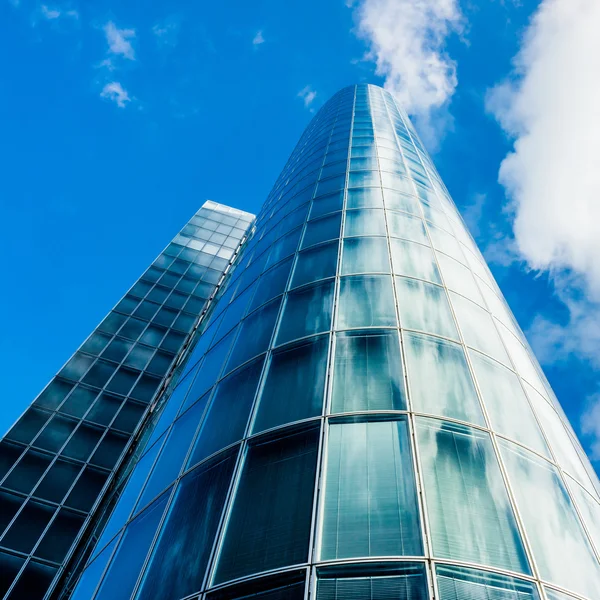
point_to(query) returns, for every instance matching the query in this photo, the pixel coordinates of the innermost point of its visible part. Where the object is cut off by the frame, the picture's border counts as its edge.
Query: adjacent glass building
(357, 415)
(63, 454)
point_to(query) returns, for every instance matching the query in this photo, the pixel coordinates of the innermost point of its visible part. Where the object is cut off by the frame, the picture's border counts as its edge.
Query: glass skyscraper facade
(66, 448)
(358, 414)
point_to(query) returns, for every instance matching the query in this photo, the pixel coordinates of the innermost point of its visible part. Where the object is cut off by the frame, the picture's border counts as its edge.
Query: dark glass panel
(182, 551)
(269, 526)
(294, 386)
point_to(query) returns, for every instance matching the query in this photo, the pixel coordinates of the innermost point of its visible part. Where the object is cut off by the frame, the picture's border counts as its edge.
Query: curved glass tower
(360, 416)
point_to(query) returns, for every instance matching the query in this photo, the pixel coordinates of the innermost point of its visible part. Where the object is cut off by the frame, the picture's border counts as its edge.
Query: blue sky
(120, 118)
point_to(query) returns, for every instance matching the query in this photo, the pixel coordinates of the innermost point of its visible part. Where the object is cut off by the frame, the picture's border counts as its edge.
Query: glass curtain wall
(64, 450)
(360, 415)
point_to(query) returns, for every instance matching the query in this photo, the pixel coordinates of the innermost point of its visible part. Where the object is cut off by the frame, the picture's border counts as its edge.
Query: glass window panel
(173, 454)
(129, 495)
(271, 284)
(209, 371)
(286, 586)
(295, 385)
(395, 200)
(368, 373)
(227, 416)
(363, 178)
(414, 260)
(26, 529)
(425, 307)
(326, 204)
(306, 311)
(556, 595)
(26, 474)
(109, 450)
(87, 489)
(561, 550)
(439, 380)
(104, 409)
(184, 546)
(364, 198)
(316, 263)
(364, 222)
(560, 442)
(255, 334)
(406, 581)
(28, 425)
(57, 481)
(322, 230)
(365, 255)
(54, 394)
(272, 530)
(506, 403)
(470, 516)
(129, 558)
(459, 278)
(92, 574)
(58, 539)
(9, 506)
(460, 583)
(366, 301)
(478, 328)
(444, 242)
(406, 227)
(368, 461)
(34, 582)
(589, 509)
(76, 366)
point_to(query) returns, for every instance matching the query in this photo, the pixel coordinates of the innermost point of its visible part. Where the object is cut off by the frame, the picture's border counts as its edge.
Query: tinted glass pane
(179, 560)
(406, 227)
(459, 279)
(173, 454)
(269, 526)
(414, 260)
(28, 425)
(560, 547)
(366, 301)
(129, 558)
(28, 471)
(478, 328)
(425, 307)
(92, 574)
(397, 582)
(322, 230)
(306, 312)
(459, 583)
(228, 413)
(34, 582)
(288, 586)
(368, 461)
(317, 263)
(10, 565)
(271, 284)
(506, 404)
(364, 222)
(365, 255)
(26, 529)
(255, 334)
(85, 492)
(469, 511)
(439, 379)
(59, 537)
(57, 481)
(294, 386)
(368, 373)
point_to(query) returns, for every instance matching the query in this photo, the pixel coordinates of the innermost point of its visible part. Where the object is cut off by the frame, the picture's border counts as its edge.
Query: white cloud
(119, 42)
(114, 92)
(551, 107)
(49, 13)
(258, 38)
(167, 31)
(308, 95)
(406, 39)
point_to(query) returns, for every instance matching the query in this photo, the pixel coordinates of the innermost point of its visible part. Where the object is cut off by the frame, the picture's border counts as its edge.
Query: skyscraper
(357, 415)
(67, 447)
